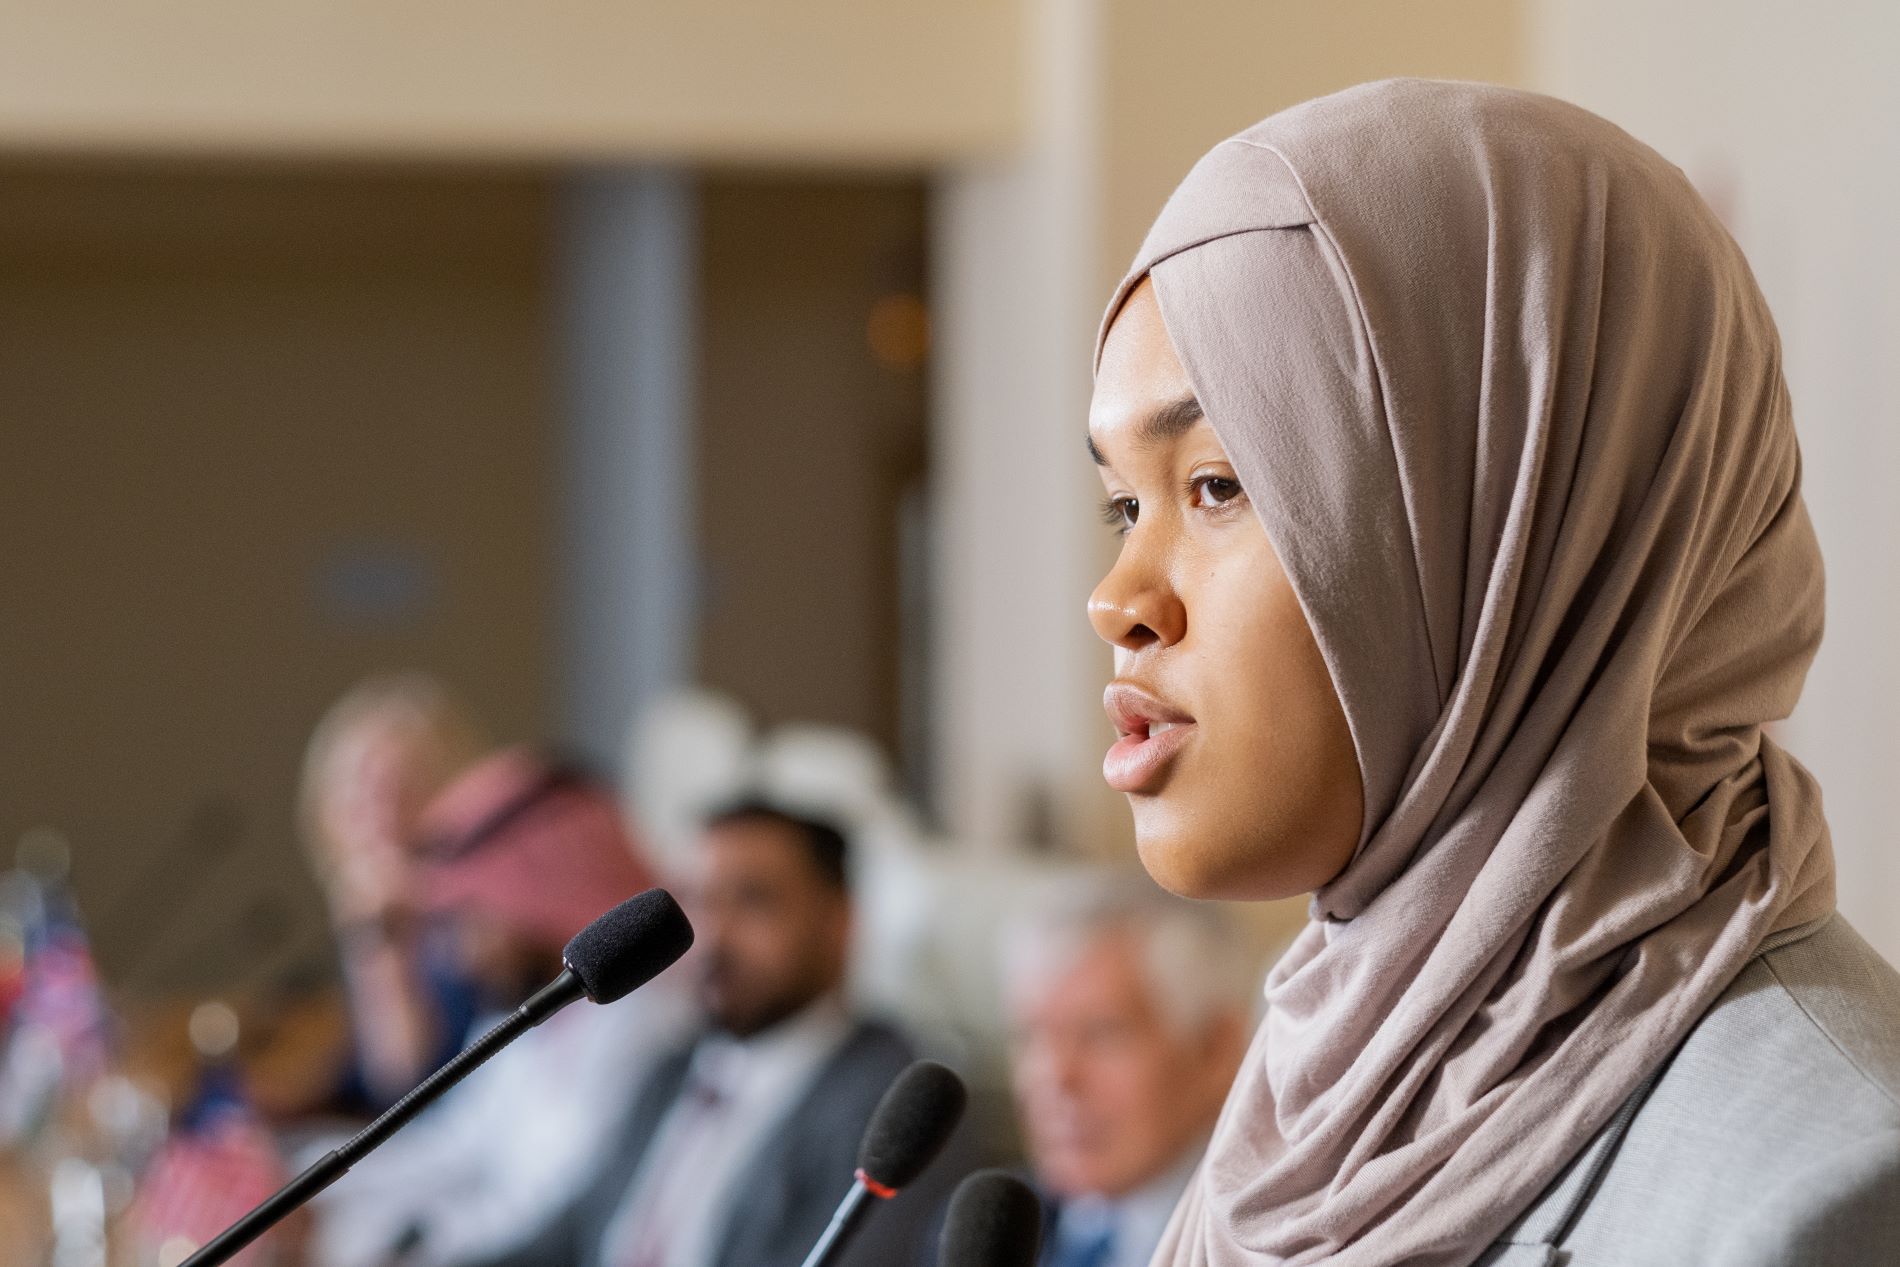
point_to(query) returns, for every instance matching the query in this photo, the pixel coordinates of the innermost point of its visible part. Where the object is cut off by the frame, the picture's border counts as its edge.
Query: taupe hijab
(1510, 406)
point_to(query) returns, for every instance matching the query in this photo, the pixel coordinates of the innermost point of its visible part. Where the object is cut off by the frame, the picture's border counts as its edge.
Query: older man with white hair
(1130, 1011)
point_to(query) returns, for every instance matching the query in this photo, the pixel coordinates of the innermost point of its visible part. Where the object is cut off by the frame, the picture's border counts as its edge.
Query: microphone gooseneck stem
(333, 1165)
(852, 1210)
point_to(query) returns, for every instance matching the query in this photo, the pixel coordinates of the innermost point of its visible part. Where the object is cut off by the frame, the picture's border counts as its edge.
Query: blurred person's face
(771, 934)
(378, 782)
(1234, 751)
(494, 953)
(1110, 1093)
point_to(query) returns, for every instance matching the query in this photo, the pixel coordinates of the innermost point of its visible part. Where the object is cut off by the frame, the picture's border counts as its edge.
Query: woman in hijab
(1491, 686)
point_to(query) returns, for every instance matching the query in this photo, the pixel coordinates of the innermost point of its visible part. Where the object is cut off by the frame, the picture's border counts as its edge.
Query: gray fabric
(1772, 1136)
(790, 1189)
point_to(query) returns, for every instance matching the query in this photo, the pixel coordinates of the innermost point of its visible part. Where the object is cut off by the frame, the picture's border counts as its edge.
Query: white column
(1019, 673)
(627, 563)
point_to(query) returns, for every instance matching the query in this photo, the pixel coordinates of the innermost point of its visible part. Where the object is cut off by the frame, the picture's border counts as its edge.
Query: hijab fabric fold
(1509, 404)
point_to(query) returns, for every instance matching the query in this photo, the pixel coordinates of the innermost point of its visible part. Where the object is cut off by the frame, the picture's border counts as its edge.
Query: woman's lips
(1152, 732)
(1137, 761)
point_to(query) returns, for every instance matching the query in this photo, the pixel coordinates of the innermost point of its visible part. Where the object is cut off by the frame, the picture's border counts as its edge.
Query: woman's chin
(1204, 866)
(1185, 866)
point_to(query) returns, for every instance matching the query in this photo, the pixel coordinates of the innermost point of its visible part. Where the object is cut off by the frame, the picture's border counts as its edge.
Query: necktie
(1096, 1249)
(670, 1175)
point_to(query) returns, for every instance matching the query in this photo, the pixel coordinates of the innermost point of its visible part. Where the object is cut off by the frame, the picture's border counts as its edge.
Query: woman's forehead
(1142, 390)
(1146, 431)
(1137, 347)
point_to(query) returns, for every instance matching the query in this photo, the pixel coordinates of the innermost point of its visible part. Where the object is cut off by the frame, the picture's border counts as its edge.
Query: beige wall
(820, 80)
(215, 388)
(806, 443)
(1177, 78)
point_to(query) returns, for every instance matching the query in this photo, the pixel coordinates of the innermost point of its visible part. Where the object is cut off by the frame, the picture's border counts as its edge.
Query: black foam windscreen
(912, 1123)
(629, 945)
(994, 1220)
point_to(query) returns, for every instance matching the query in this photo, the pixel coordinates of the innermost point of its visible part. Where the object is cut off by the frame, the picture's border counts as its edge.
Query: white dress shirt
(508, 1148)
(736, 1093)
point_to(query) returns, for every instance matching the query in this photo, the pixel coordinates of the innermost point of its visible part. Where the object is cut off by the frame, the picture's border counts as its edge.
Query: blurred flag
(219, 1161)
(12, 975)
(60, 990)
(59, 1031)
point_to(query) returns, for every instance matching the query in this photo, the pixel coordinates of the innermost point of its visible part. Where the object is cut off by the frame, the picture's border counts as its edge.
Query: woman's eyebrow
(1170, 422)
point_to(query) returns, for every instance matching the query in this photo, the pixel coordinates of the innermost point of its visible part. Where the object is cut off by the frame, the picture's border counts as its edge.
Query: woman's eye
(1211, 491)
(1120, 513)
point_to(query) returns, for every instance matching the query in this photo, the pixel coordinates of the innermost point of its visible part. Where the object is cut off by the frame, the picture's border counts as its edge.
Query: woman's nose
(1135, 606)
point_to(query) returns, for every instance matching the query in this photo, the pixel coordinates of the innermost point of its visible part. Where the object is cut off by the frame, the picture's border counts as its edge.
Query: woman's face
(1234, 751)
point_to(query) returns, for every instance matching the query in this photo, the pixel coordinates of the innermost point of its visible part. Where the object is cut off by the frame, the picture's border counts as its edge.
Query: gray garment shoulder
(1772, 1136)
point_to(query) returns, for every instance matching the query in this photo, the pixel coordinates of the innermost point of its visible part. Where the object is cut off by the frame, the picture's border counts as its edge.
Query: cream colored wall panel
(854, 81)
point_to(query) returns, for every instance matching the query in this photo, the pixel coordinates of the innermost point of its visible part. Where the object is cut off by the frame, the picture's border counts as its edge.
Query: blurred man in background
(1130, 1013)
(513, 858)
(375, 762)
(742, 1143)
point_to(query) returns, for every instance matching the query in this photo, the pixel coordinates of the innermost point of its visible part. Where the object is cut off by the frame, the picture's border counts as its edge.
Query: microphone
(994, 1221)
(606, 961)
(907, 1130)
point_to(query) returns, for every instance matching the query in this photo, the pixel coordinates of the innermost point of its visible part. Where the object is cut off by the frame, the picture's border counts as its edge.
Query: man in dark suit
(742, 1143)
